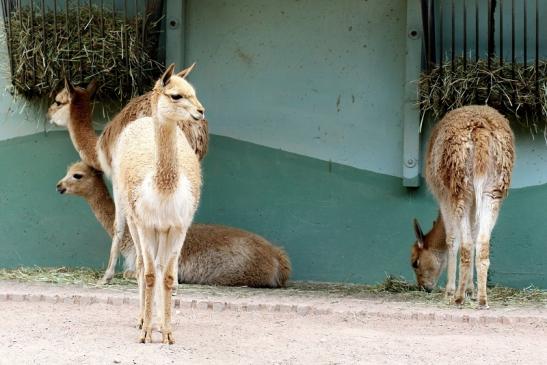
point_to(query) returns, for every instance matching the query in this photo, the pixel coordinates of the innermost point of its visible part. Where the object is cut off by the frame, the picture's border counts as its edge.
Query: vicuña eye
(77, 176)
(176, 97)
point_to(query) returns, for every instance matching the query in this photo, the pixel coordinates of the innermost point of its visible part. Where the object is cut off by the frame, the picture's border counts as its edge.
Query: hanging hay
(86, 43)
(513, 93)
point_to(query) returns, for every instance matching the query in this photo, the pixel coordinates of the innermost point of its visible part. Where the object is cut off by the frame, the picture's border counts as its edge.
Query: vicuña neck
(166, 177)
(82, 134)
(102, 205)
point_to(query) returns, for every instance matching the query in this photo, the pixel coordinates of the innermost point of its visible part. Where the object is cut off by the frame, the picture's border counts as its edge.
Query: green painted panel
(337, 223)
(37, 225)
(343, 224)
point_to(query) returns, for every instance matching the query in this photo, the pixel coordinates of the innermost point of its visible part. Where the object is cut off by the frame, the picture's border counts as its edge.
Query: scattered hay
(86, 43)
(393, 288)
(513, 93)
(508, 296)
(394, 284)
(60, 275)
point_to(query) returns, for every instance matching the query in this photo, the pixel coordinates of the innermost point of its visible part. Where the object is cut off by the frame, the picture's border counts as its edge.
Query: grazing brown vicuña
(469, 162)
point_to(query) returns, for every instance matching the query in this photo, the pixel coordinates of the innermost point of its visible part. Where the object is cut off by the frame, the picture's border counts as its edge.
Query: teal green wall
(37, 225)
(337, 223)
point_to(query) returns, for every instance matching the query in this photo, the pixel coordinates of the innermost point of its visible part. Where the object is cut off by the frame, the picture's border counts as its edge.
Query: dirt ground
(48, 324)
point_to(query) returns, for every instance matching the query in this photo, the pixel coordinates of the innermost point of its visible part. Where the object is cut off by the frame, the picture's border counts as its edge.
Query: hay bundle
(84, 43)
(514, 93)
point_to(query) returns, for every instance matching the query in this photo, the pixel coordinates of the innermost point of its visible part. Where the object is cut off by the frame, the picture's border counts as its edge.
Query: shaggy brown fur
(211, 255)
(471, 141)
(468, 169)
(221, 255)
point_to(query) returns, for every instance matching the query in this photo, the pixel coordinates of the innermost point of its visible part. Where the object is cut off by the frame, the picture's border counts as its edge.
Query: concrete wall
(304, 100)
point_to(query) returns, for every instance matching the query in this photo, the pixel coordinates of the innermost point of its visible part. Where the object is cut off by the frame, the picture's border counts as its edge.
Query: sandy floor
(60, 333)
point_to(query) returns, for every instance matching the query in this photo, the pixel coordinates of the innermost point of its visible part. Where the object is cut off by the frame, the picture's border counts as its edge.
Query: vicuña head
(175, 98)
(70, 99)
(80, 180)
(429, 254)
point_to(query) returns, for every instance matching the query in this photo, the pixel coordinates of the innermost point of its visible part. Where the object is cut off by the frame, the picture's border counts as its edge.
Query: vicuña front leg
(169, 281)
(147, 244)
(141, 285)
(169, 256)
(139, 268)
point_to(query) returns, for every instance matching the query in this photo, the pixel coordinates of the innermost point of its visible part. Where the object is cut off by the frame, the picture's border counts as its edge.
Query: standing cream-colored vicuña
(212, 254)
(157, 184)
(73, 109)
(468, 169)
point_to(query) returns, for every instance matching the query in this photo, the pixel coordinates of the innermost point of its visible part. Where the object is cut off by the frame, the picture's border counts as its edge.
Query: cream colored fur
(156, 182)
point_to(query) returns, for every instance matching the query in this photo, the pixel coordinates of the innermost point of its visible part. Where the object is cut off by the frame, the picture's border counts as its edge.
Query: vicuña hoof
(168, 337)
(146, 335)
(471, 293)
(104, 281)
(459, 300)
(483, 304)
(449, 297)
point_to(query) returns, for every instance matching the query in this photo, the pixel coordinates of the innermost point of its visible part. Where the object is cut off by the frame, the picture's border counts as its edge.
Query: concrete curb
(481, 317)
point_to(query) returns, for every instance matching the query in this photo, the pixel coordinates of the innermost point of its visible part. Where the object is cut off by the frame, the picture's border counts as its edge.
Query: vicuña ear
(92, 88)
(68, 86)
(419, 234)
(186, 71)
(167, 75)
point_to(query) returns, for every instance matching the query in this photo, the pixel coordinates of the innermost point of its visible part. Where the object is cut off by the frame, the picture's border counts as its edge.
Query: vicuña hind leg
(471, 291)
(119, 228)
(488, 217)
(466, 250)
(452, 245)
